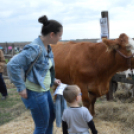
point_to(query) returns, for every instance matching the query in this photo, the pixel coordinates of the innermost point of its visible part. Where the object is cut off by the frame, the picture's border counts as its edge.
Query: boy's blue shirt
(22, 61)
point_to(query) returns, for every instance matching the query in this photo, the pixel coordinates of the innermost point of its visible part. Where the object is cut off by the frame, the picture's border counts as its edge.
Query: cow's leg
(88, 99)
(86, 102)
(85, 96)
(92, 99)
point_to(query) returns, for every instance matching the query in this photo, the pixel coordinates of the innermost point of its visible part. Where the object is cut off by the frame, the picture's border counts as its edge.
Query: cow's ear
(126, 42)
(111, 44)
(123, 39)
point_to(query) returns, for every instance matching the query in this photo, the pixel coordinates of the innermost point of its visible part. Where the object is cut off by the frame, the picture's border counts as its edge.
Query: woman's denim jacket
(22, 61)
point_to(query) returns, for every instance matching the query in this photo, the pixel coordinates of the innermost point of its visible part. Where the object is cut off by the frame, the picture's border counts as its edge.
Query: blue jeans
(42, 110)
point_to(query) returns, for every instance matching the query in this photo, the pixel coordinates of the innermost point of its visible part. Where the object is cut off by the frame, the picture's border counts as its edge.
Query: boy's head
(71, 92)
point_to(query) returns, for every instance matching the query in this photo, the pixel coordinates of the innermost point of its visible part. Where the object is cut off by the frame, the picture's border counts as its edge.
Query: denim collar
(49, 47)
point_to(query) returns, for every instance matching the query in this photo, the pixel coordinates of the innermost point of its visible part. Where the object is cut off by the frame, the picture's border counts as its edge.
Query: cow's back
(72, 60)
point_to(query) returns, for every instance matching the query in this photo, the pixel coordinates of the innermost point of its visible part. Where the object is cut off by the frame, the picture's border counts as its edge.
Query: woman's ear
(52, 35)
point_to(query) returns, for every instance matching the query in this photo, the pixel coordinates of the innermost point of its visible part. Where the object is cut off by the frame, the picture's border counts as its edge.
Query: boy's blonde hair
(70, 93)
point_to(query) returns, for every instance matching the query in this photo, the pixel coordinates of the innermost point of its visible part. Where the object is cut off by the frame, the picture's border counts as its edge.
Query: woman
(35, 93)
(3, 89)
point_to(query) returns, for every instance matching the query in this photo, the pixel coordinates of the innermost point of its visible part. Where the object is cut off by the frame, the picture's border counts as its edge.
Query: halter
(128, 59)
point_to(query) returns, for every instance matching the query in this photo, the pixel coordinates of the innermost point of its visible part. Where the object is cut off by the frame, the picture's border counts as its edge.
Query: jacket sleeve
(2, 61)
(19, 64)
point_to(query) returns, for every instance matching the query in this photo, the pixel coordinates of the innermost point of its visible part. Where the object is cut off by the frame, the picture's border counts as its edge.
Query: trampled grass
(110, 118)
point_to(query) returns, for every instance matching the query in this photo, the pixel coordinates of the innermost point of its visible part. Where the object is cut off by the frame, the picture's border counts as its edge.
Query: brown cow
(92, 65)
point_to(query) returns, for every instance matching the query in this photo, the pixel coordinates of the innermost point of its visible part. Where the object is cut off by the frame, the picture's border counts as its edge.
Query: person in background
(76, 119)
(3, 89)
(35, 92)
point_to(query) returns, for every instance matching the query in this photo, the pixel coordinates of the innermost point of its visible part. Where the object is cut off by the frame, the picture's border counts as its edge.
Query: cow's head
(123, 42)
(124, 47)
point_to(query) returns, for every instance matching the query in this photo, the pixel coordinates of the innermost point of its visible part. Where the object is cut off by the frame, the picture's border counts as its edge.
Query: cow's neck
(115, 63)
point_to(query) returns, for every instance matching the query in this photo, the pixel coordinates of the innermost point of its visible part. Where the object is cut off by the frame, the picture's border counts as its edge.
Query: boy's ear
(76, 98)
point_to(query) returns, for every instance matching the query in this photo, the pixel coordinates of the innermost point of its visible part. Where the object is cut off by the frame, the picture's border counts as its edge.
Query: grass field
(11, 108)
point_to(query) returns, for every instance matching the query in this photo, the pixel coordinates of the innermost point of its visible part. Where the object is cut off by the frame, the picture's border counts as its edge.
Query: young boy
(76, 119)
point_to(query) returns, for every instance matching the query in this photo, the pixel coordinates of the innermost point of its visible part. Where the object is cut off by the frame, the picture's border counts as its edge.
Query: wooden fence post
(104, 14)
(12, 50)
(112, 88)
(109, 95)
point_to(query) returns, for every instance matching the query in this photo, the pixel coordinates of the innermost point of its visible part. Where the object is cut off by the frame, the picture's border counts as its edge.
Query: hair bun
(43, 20)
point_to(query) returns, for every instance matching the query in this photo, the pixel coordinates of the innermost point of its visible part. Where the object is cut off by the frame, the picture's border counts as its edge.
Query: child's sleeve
(89, 119)
(92, 127)
(88, 116)
(64, 124)
(64, 127)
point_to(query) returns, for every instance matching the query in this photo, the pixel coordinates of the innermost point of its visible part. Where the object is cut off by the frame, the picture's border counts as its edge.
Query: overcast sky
(80, 18)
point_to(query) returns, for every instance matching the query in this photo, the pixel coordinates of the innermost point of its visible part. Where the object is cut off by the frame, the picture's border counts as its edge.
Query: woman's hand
(23, 93)
(57, 81)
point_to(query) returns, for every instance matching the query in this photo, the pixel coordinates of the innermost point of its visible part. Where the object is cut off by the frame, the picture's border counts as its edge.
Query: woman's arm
(19, 64)
(57, 81)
